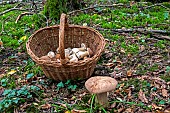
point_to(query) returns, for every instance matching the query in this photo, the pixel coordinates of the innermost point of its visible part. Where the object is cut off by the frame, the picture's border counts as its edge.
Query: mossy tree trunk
(54, 8)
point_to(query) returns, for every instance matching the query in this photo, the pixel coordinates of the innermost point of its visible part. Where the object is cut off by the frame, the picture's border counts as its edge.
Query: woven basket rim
(57, 64)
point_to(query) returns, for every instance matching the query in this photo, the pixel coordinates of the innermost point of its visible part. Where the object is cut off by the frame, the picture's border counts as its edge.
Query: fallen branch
(22, 14)
(93, 7)
(3, 22)
(17, 7)
(135, 30)
(31, 13)
(159, 4)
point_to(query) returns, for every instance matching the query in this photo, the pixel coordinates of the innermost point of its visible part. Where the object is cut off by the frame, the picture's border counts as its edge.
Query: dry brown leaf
(45, 106)
(142, 97)
(167, 111)
(109, 65)
(1, 75)
(78, 111)
(142, 48)
(113, 105)
(120, 110)
(164, 92)
(1, 43)
(128, 110)
(154, 106)
(129, 73)
(122, 50)
(129, 92)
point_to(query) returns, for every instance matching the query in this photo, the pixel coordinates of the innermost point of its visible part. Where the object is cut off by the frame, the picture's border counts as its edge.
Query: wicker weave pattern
(47, 39)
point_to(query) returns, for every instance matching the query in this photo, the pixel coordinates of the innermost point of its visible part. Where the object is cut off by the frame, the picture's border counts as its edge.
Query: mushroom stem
(102, 99)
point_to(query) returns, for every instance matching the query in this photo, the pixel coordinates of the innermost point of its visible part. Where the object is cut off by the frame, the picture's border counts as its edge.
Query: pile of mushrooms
(73, 55)
(101, 86)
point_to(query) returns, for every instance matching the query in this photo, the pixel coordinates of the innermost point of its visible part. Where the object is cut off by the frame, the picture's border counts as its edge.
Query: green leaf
(68, 82)
(148, 84)
(162, 102)
(29, 96)
(4, 82)
(30, 75)
(15, 100)
(143, 40)
(166, 15)
(34, 88)
(60, 85)
(167, 69)
(7, 91)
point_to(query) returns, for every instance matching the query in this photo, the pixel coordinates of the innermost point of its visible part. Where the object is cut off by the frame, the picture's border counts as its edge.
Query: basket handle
(63, 25)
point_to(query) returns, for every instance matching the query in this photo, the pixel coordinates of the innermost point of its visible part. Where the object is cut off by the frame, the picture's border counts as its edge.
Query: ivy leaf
(15, 100)
(35, 88)
(168, 69)
(166, 15)
(60, 85)
(30, 75)
(68, 81)
(162, 102)
(4, 82)
(6, 92)
(72, 87)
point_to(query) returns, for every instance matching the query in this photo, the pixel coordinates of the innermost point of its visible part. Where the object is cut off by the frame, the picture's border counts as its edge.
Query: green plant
(13, 97)
(67, 84)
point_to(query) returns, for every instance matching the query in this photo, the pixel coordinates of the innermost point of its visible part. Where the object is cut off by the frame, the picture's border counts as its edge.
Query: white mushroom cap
(51, 54)
(100, 84)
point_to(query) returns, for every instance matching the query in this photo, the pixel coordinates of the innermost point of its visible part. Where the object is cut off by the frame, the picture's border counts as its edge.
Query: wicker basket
(64, 36)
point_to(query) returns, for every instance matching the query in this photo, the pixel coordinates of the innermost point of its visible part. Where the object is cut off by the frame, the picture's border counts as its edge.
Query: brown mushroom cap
(100, 84)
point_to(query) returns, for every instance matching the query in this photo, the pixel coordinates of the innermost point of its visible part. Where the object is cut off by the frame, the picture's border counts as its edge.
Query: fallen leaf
(164, 92)
(167, 111)
(142, 97)
(122, 50)
(23, 38)
(142, 48)
(45, 106)
(109, 65)
(129, 92)
(78, 111)
(120, 110)
(129, 73)
(128, 110)
(67, 112)
(1, 43)
(154, 106)
(12, 72)
(35, 104)
(113, 105)
(1, 75)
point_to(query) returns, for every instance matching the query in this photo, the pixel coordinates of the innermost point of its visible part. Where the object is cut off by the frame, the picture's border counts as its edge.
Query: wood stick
(22, 14)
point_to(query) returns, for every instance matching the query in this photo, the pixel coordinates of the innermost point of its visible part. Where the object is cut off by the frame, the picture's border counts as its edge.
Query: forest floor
(137, 55)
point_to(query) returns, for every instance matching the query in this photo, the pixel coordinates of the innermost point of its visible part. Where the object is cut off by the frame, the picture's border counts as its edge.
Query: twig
(135, 29)
(2, 30)
(158, 4)
(22, 14)
(17, 7)
(161, 36)
(93, 7)
(31, 13)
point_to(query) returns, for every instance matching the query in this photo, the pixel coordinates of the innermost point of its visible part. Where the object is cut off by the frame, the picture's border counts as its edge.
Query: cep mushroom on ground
(101, 85)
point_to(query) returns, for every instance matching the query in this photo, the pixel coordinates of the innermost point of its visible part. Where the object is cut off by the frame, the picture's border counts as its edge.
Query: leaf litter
(141, 87)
